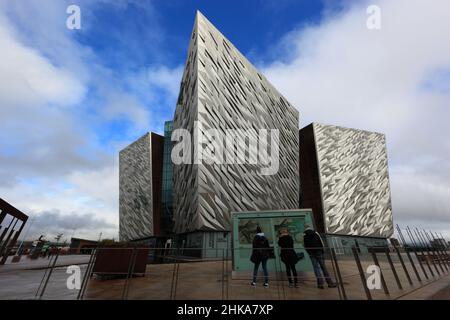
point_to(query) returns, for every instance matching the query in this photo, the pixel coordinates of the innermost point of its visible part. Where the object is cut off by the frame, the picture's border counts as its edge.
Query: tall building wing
(222, 90)
(348, 186)
(140, 169)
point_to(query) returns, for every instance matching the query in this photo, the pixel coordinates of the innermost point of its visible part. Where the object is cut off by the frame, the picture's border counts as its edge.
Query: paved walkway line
(427, 291)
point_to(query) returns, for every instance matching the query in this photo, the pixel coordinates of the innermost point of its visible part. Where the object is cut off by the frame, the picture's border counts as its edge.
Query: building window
(211, 240)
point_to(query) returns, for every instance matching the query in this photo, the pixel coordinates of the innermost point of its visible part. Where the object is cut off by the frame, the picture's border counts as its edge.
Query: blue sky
(71, 99)
(254, 25)
(127, 38)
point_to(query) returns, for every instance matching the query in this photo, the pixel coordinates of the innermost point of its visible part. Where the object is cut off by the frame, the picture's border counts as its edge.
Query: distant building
(140, 187)
(82, 246)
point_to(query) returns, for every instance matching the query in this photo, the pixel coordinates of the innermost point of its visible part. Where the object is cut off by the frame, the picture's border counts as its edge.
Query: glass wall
(343, 244)
(167, 196)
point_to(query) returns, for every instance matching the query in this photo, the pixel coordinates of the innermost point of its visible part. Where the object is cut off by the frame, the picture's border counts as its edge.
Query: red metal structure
(12, 222)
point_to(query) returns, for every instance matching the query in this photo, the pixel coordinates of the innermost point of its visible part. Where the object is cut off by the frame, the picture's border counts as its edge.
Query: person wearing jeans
(260, 254)
(320, 270)
(288, 256)
(255, 272)
(314, 246)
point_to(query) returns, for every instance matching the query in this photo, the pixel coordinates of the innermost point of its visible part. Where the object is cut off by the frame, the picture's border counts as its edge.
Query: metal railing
(192, 273)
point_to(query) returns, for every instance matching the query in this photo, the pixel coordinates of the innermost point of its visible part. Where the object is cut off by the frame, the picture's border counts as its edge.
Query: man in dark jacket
(260, 254)
(314, 246)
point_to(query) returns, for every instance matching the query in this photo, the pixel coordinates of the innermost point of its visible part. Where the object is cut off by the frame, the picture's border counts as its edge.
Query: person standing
(314, 246)
(288, 256)
(260, 254)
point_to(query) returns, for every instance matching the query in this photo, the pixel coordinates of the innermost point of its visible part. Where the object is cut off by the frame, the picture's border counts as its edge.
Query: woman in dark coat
(260, 254)
(288, 256)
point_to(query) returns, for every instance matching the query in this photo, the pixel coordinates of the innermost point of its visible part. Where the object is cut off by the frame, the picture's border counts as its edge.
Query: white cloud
(90, 195)
(53, 222)
(102, 186)
(58, 162)
(156, 81)
(427, 196)
(40, 135)
(164, 78)
(339, 72)
(27, 77)
(121, 105)
(52, 162)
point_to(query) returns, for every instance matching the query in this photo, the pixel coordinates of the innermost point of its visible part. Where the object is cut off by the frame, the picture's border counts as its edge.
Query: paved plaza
(209, 280)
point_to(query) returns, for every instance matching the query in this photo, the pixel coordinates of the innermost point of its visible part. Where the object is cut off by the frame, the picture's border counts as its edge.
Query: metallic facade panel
(222, 90)
(135, 191)
(354, 181)
(185, 186)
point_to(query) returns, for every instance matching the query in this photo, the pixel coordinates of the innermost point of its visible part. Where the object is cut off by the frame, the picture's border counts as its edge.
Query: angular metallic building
(342, 173)
(222, 90)
(344, 179)
(140, 186)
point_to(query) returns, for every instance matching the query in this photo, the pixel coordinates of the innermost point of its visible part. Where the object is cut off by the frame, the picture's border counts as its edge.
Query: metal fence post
(176, 268)
(338, 273)
(361, 273)
(131, 266)
(445, 250)
(223, 274)
(226, 273)
(87, 274)
(428, 252)
(403, 264)
(444, 253)
(411, 236)
(49, 274)
(375, 260)
(438, 253)
(432, 253)
(408, 254)
(388, 255)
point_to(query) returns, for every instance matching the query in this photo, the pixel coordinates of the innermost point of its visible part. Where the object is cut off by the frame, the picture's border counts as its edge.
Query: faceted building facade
(140, 185)
(342, 173)
(222, 90)
(344, 179)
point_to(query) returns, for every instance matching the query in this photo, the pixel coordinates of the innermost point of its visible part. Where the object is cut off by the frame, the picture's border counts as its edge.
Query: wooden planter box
(116, 262)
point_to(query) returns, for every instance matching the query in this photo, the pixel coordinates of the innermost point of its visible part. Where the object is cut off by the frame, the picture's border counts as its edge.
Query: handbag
(253, 257)
(300, 256)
